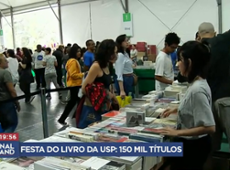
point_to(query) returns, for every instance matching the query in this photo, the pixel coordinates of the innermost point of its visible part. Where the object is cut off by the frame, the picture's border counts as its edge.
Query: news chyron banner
(11, 147)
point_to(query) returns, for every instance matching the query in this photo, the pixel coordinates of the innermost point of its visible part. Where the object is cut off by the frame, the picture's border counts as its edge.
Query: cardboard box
(140, 54)
(141, 46)
(152, 49)
(152, 57)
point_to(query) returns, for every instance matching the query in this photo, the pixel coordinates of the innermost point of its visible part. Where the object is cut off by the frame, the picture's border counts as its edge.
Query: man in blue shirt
(89, 54)
(174, 59)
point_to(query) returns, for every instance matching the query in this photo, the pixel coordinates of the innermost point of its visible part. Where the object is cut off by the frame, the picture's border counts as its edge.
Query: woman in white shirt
(13, 65)
(133, 54)
(195, 120)
(123, 68)
(50, 62)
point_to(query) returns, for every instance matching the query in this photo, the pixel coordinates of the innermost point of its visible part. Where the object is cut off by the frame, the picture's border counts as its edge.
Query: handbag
(97, 95)
(135, 79)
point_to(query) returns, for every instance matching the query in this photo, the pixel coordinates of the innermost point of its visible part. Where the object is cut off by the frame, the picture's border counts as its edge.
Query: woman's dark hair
(73, 52)
(48, 49)
(120, 39)
(105, 52)
(11, 53)
(26, 54)
(76, 45)
(199, 54)
(18, 49)
(65, 50)
(97, 43)
(31, 52)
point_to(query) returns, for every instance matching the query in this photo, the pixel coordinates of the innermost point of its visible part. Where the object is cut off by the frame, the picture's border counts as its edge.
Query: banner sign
(14, 149)
(128, 24)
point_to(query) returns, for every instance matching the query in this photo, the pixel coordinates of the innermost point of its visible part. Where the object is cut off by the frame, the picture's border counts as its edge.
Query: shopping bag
(124, 102)
(87, 117)
(88, 114)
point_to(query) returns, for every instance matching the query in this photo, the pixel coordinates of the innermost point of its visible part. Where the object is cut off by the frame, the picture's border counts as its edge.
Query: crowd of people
(204, 63)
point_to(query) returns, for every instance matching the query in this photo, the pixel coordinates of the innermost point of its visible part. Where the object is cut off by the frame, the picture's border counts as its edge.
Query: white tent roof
(20, 5)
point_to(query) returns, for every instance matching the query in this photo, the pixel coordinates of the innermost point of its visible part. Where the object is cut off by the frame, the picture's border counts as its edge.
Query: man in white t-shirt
(164, 74)
(39, 70)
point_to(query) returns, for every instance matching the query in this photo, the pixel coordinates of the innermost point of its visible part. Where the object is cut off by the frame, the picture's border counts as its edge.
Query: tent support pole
(220, 18)
(12, 26)
(60, 21)
(127, 5)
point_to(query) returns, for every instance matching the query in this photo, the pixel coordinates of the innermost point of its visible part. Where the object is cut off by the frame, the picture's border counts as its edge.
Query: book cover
(111, 114)
(25, 161)
(151, 130)
(111, 138)
(113, 166)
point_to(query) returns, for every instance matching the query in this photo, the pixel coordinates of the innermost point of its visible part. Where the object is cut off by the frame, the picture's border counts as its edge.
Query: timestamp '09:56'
(9, 137)
(125, 149)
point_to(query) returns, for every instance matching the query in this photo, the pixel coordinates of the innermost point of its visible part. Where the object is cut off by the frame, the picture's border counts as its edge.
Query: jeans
(8, 117)
(128, 85)
(40, 77)
(51, 77)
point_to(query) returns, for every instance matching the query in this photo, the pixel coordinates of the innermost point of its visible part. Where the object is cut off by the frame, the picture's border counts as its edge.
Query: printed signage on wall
(128, 24)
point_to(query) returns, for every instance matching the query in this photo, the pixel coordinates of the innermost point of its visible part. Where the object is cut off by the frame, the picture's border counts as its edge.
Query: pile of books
(93, 163)
(137, 122)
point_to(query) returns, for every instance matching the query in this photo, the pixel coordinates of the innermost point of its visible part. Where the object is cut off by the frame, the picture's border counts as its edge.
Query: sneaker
(60, 96)
(64, 102)
(62, 123)
(31, 99)
(48, 97)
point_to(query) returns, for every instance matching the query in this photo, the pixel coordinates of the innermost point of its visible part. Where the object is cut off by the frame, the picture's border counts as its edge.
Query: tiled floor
(30, 117)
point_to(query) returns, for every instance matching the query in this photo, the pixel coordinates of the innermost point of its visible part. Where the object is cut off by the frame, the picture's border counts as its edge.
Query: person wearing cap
(219, 71)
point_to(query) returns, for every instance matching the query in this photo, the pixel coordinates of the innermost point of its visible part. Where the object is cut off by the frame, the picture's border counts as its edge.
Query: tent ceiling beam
(3, 16)
(127, 5)
(53, 10)
(124, 5)
(5, 5)
(39, 6)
